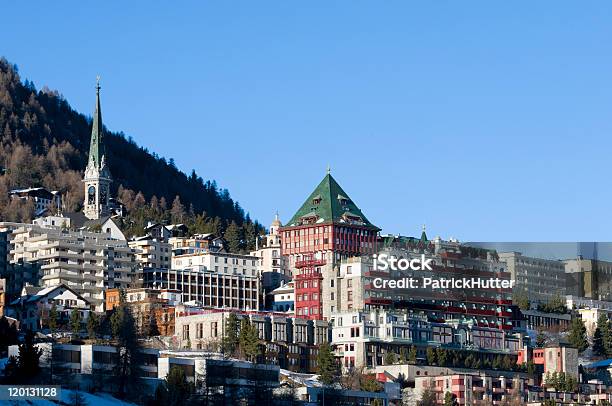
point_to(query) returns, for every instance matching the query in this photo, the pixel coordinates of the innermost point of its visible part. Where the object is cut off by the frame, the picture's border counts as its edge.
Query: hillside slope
(44, 142)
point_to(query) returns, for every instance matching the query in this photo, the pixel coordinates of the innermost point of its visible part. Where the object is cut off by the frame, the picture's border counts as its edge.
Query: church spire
(97, 151)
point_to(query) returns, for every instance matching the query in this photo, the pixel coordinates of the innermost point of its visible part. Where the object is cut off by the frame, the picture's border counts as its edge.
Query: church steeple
(97, 151)
(97, 176)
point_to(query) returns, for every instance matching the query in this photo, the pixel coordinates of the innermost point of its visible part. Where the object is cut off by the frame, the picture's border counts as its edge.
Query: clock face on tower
(91, 195)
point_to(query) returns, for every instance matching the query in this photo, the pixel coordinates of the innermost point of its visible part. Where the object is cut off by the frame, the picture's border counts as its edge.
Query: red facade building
(327, 228)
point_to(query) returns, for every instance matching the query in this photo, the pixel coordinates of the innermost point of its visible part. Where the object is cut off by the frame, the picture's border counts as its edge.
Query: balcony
(307, 263)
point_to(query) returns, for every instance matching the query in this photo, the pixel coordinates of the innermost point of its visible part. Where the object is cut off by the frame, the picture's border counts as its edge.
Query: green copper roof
(329, 203)
(97, 150)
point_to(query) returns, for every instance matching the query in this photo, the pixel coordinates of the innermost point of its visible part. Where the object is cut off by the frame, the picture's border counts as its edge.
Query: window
(349, 283)
(186, 332)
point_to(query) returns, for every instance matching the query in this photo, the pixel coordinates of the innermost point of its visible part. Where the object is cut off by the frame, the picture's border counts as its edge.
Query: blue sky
(484, 120)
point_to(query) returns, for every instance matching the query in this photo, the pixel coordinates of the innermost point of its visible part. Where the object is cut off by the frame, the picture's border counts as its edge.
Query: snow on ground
(97, 399)
(303, 379)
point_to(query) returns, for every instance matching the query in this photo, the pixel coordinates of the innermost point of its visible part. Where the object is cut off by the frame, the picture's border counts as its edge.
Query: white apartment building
(541, 279)
(215, 279)
(363, 338)
(271, 263)
(87, 262)
(151, 252)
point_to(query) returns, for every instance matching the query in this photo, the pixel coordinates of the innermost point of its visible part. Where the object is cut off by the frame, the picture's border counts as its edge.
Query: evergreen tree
(123, 327)
(53, 317)
(8, 334)
(229, 342)
(178, 389)
(578, 334)
(428, 398)
(390, 358)
(431, 356)
(412, 355)
(598, 342)
(327, 368)
(369, 384)
(449, 399)
(75, 322)
(249, 340)
(603, 324)
(93, 325)
(441, 356)
(233, 238)
(28, 364)
(521, 299)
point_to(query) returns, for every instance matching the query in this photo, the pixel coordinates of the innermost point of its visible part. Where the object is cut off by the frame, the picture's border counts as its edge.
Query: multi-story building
(215, 279)
(469, 389)
(364, 338)
(552, 358)
(33, 307)
(327, 228)
(292, 343)
(153, 310)
(553, 322)
(151, 252)
(283, 298)
(41, 197)
(540, 279)
(87, 262)
(196, 244)
(271, 263)
(357, 283)
(590, 278)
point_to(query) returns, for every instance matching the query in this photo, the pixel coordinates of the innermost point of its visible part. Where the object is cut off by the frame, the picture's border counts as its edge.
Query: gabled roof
(328, 203)
(34, 294)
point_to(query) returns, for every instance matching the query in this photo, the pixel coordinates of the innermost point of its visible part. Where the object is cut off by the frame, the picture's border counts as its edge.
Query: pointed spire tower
(97, 178)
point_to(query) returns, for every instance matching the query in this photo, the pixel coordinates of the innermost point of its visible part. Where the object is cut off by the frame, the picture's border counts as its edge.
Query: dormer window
(343, 200)
(317, 199)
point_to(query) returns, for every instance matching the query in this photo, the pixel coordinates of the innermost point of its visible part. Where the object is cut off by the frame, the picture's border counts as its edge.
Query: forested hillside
(44, 142)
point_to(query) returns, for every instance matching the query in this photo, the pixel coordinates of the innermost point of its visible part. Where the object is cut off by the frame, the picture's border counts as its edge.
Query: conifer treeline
(44, 142)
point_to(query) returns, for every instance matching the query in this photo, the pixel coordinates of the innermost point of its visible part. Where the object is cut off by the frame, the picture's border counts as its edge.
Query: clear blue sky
(484, 120)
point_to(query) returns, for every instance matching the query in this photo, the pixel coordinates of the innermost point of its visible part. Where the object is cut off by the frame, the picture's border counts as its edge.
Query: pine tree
(229, 342)
(123, 327)
(249, 340)
(233, 238)
(327, 368)
(75, 322)
(28, 363)
(603, 324)
(449, 400)
(52, 321)
(390, 358)
(412, 355)
(428, 398)
(178, 389)
(578, 334)
(93, 324)
(431, 356)
(598, 342)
